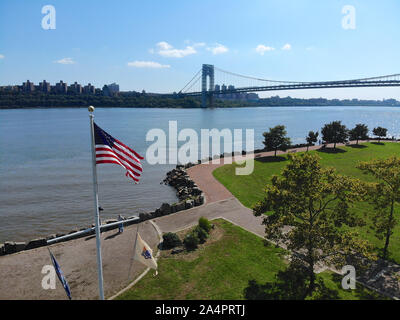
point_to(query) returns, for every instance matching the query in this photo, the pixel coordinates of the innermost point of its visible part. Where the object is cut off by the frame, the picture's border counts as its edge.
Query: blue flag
(60, 275)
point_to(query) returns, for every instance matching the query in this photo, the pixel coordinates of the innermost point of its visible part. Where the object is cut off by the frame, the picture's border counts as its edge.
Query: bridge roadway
(305, 85)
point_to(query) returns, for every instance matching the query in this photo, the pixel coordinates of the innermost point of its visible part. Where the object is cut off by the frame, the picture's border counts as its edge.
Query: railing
(91, 230)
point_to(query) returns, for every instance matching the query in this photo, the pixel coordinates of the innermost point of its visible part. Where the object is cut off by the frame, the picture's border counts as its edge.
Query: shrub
(201, 234)
(191, 241)
(205, 224)
(171, 240)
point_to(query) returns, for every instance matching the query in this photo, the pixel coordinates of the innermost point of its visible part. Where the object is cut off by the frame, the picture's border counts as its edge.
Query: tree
(276, 139)
(384, 194)
(380, 132)
(334, 132)
(359, 132)
(312, 138)
(308, 205)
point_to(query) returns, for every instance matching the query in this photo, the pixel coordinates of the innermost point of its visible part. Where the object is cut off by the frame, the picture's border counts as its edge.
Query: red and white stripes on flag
(111, 150)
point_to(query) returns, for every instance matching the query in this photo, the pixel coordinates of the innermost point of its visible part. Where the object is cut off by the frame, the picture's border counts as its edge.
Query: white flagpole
(134, 250)
(96, 206)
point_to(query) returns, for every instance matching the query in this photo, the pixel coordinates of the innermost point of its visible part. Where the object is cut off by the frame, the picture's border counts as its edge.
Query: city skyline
(140, 47)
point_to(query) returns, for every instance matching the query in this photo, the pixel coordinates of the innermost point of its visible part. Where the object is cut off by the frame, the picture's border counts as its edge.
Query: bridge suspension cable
(195, 76)
(254, 78)
(197, 81)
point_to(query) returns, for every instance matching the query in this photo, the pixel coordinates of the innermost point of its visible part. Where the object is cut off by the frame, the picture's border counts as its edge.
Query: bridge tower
(207, 71)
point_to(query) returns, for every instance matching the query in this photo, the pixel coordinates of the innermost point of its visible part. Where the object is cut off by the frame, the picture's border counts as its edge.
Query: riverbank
(14, 99)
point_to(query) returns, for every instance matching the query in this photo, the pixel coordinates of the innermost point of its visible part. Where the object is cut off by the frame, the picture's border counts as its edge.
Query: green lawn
(221, 269)
(249, 189)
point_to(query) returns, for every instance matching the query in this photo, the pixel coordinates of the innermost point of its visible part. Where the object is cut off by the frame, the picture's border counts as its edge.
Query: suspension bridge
(210, 82)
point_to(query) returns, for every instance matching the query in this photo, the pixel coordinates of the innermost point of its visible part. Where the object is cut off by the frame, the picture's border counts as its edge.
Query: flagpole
(96, 206)
(134, 250)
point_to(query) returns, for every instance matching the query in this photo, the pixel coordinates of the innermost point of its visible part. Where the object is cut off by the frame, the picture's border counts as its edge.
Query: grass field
(344, 162)
(221, 269)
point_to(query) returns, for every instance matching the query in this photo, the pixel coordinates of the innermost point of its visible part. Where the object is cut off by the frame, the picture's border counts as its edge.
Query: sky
(159, 45)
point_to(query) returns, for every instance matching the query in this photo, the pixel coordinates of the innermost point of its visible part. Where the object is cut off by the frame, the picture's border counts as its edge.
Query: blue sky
(158, 45)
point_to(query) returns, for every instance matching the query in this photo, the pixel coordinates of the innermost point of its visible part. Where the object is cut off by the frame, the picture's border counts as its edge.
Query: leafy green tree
(359, 132)
(276, 139)
(380, 132)
(384, 195)
(312, 138)
(335, 132)
(308, 205)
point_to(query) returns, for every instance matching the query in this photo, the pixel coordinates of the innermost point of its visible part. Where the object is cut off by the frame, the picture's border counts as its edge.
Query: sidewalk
(21, 277)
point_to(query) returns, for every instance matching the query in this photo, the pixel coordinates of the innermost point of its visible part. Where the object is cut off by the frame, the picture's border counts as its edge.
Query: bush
(171, 240)
(202, 234)
(191, 241)
(205, 224)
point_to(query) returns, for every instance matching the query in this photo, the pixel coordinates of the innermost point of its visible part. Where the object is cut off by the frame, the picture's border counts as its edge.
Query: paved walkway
(20, 274)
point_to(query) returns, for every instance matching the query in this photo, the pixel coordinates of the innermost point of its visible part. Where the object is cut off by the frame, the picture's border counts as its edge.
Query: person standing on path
(121, 226)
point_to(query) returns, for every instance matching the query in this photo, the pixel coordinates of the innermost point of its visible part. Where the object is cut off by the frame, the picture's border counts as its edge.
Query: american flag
(111, 150)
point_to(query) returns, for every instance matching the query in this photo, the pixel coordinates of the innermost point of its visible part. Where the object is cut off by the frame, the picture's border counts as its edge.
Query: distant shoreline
(216, 107)
(20, 100)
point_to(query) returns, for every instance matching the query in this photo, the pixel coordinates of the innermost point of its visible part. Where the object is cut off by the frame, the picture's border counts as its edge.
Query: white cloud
(65, 61)
(2, 56)
(164, 45)
(218, 49)
(287, 46)
(261, 49)
(166, 50)
(148, 64)
(199, 44)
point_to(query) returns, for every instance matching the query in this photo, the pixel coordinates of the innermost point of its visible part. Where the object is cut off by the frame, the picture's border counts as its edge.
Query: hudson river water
(45, 159)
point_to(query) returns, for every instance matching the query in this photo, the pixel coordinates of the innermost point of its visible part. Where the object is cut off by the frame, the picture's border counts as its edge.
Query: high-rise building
(28, 86)
(217, 87)
(89, 89)
(61, 87)
(113, 87)
(44, 86)
(76, 88)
